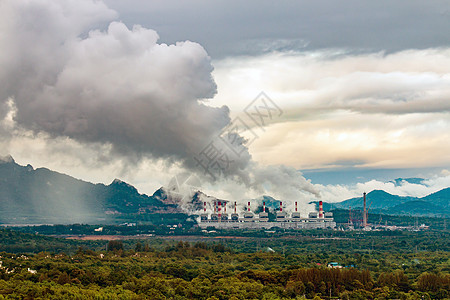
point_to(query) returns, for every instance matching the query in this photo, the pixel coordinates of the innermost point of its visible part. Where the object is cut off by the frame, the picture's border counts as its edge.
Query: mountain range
(30, 196)
(42, 196)
(436, 204)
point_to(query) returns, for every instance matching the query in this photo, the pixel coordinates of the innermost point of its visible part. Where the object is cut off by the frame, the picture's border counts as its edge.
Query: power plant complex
(220, 219)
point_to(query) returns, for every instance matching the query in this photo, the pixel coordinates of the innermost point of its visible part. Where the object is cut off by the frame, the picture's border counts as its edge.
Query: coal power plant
(220, 218)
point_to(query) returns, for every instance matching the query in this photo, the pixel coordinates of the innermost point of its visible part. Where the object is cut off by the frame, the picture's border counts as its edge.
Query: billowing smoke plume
(70, 70)
(116, 86)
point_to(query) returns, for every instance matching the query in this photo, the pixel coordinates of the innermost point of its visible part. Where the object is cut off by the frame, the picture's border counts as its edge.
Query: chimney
(249, 206)
(364, 212)
(235, 207)
(295, 206)
(225, 208)
(220, 207)
(320, 209)
(214, 206)
(281, 206)
(264, 206)
(204, 207)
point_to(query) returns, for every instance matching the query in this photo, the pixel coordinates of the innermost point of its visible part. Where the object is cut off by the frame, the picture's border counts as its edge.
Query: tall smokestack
(248, 205)
(281, 206)
(214, 206)
(320, 209)
(264, 206)
(235, 216)
(295, 215)
(364, 212)
(220, 207)
(204, 215)
(225, 208)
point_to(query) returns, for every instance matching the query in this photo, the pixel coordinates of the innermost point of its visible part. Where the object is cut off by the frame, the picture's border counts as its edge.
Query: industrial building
(221, 220)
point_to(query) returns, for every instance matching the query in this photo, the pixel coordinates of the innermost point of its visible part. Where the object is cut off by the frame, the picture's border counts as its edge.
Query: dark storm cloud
(227, 28)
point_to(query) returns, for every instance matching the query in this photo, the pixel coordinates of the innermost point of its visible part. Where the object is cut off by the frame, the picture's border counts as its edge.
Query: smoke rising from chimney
(71, 71)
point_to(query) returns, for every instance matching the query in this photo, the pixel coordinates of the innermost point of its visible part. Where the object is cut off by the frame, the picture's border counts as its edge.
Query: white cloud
(404, 82)
(367, 110)
(337, 193)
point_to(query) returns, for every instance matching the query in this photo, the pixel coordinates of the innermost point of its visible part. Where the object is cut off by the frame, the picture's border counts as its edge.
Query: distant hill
(42, 196)
(377, 199)
(401, 181)
(417, 207)
(440, 198)
(436, 204)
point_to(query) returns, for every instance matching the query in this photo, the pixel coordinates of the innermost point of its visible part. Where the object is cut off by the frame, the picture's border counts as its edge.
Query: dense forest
(398, 265)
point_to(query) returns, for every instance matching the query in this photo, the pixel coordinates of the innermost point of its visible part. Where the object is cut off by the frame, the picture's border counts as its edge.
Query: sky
(299, 100)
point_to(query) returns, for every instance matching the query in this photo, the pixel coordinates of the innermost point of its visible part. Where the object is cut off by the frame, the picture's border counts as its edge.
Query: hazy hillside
(30, 195)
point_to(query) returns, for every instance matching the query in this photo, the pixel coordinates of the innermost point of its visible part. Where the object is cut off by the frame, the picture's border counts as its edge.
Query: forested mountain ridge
(29, 195)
